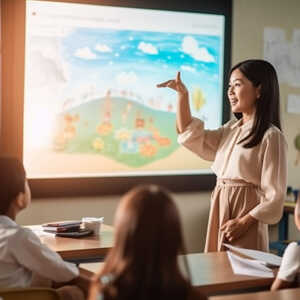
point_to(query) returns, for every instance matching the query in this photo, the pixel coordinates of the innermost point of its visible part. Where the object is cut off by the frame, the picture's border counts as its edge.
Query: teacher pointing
(248, 154)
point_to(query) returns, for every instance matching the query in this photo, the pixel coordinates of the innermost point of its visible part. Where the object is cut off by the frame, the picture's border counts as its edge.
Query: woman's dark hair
(12, 181)
(143, 264)
(262, 74)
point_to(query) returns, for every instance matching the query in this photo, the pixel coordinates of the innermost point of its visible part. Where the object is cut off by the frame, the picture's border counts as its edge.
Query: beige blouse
(264, 165)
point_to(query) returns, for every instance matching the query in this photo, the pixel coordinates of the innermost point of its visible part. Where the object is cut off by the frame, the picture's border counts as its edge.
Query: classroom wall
(249, 20)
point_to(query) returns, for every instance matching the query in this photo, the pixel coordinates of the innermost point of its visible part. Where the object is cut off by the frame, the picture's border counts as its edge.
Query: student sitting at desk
(24, 260)
(290, 265)
(144, 261)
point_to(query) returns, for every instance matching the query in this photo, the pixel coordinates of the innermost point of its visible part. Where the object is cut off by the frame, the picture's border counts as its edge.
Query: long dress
(249, 180)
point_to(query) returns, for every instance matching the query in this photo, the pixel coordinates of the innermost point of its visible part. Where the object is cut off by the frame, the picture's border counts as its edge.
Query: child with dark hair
(143, 264)
(24, 260)
(248, 154)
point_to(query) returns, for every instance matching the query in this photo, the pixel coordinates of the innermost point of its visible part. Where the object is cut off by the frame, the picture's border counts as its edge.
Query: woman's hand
(235, 228)
(183, 116)
(175, 84)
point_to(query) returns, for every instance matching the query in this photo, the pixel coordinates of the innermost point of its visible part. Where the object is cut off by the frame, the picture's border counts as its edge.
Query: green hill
(116, 127)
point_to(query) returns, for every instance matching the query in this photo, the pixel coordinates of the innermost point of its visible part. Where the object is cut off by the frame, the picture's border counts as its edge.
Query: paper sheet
(293, 104)
(283, 54)
(268, 258)
(248, 267)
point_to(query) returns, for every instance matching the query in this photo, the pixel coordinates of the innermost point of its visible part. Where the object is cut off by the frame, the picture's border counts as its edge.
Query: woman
(143, 264)
(248, 154)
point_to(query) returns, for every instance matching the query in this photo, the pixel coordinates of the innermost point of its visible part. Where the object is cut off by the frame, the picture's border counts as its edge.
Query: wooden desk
(287, 294)
(211, 273)
(90, 248)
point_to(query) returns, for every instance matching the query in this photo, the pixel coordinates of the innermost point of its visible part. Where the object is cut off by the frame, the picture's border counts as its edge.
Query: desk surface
(211, 273)
(287, 294)
(78, 248)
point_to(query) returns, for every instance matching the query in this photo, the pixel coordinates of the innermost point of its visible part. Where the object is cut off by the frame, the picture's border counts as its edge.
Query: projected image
(92, 106)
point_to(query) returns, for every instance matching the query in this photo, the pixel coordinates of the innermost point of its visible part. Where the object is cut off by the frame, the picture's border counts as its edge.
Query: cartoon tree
(198, 99)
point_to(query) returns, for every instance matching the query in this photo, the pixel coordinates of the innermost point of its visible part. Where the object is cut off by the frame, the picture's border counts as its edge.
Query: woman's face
(242, 94)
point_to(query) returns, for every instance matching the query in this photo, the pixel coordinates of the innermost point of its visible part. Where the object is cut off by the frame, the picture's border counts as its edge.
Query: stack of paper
(269, 259)
(257, 265)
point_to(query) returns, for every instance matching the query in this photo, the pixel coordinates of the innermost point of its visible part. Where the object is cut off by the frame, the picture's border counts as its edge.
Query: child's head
(14, 190)
(148, 240)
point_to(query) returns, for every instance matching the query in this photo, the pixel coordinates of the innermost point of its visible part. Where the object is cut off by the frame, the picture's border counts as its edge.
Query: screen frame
(13, 21)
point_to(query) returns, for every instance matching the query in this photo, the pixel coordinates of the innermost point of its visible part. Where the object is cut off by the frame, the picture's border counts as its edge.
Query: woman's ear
(258, 91)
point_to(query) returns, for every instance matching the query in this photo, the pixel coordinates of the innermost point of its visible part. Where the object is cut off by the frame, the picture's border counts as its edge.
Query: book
(62, 224)
(70, 228)
(76, 234)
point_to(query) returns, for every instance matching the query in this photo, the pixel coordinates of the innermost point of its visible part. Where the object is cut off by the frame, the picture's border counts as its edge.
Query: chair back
(29, 294)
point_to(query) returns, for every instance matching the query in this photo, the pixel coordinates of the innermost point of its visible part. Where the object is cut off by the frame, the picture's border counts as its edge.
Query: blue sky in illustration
(138, 60)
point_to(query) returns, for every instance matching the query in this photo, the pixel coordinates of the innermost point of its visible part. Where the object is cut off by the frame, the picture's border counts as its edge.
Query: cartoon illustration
(97, 88)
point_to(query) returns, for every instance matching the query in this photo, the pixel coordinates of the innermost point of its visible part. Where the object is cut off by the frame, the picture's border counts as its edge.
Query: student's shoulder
(24, 234)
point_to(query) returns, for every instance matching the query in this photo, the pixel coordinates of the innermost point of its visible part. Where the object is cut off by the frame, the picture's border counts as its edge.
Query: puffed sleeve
(202, 142)
(273, 178)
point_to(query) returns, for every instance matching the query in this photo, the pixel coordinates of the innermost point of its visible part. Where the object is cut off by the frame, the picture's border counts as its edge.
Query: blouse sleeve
(273, 179)
(202, 142)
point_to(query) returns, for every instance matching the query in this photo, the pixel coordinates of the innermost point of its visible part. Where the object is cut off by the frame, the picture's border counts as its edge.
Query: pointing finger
(178, 79)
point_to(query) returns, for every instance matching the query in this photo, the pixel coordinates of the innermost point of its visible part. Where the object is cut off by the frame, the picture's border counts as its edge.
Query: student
(289, 271)
(143, 264)
(24, 260)
(248, 154)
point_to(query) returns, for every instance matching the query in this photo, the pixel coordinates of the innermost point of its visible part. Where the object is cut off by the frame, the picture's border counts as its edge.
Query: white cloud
(102, 48)
(126, 78)
(147, 48)
(190, 46)
(188, 68)
(85, 53)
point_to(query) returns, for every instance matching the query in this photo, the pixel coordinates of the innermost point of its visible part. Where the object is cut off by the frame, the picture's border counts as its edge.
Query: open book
(258, 263)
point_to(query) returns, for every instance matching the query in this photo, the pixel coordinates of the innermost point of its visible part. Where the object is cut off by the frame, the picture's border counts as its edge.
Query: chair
(29, 294)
